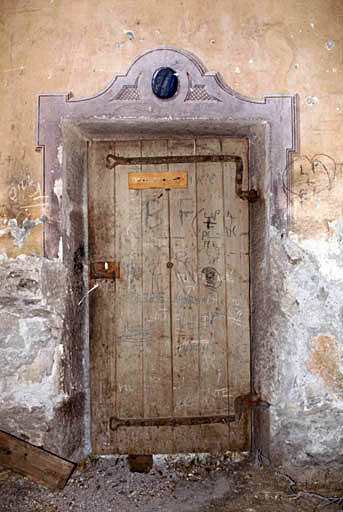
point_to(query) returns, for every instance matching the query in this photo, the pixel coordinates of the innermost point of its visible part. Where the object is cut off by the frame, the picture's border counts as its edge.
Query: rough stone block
(35, 342)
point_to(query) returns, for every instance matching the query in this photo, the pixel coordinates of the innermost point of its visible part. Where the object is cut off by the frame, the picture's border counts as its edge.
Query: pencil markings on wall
(307, 177)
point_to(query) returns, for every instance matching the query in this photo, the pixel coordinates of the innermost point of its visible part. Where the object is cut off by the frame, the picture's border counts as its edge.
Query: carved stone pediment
(202, 104)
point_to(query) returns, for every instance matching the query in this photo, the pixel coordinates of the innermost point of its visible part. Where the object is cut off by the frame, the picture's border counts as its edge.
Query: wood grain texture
(101, 242)
(236, 222)
(37, 464)
(146, 180)
(158, 369)
(178, 332)
(129, 331)
(185, 308)
(213, 333)
(185, 314)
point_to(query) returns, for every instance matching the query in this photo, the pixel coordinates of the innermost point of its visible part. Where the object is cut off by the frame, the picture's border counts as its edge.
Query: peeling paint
(60, 249)
(325, 361)
(130, 34)
(60, 154)
(34, 295)
(328, 253)
(20, 233)
(301, 361)
(312, 100)
(58, 189)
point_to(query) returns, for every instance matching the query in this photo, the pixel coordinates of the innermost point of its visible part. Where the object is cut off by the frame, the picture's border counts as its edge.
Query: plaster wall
(258, 47)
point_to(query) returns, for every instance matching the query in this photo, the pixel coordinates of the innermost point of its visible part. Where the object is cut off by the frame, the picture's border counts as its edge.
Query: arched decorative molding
(204, 103)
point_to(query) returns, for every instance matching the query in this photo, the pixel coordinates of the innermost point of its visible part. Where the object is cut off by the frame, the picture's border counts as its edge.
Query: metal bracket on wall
(249, 195)
(244, 403)
(105, 270)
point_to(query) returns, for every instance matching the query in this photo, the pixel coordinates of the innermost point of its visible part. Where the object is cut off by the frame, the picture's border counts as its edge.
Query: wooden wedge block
(146, 180)
(37, 464)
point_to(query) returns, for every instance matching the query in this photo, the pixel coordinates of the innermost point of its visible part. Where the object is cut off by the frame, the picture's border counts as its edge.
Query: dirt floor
(192, 483)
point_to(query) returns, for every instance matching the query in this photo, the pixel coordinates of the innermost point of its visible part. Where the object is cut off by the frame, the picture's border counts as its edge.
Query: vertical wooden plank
(211, 273)
(237, 277)
(152, 318)
(158, 374)
(155, 315)
(101, 237)
(129, 336)
(101, 220)
(185, 299)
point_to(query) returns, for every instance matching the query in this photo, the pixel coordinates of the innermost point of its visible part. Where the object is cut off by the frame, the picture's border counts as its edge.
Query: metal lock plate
(105, 270)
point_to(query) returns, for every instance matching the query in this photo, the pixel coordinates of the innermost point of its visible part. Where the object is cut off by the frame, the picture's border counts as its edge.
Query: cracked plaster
(35, 294)
(299, 371)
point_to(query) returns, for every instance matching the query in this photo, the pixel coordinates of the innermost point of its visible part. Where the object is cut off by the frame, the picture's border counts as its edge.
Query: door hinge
(244, 403)
(250, 195)
(116, 423)
(247, 195)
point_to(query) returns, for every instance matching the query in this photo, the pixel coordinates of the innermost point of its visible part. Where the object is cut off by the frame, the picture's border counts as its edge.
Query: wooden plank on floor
(35, 463)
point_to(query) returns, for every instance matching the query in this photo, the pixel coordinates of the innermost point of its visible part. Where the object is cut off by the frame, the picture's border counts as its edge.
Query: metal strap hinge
(116, 423)
(250, 195)
(242, 404)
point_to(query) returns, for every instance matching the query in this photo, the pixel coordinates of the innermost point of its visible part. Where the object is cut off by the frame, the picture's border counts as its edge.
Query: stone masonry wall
(37, 403)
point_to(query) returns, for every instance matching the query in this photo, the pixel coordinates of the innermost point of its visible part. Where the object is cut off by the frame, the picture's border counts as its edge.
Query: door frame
(204, 106)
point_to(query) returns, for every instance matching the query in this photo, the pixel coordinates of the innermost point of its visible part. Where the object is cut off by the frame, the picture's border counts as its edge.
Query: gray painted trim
(128, 98)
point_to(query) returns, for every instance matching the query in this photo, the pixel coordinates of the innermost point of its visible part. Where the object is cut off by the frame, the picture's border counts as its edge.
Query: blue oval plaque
(164, 83)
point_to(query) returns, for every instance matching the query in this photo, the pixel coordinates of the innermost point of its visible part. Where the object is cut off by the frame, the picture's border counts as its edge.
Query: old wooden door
(169, 338)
